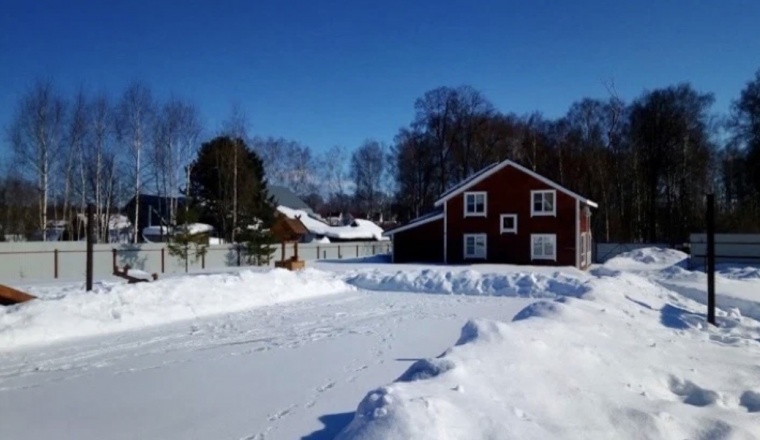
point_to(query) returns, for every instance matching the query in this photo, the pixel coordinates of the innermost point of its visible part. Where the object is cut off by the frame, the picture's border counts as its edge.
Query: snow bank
(71, 312)
(646, 258)
(358, 230)
(470, 282)
(626, 359)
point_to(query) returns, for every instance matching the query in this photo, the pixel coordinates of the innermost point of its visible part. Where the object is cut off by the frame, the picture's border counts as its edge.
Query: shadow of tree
(333, 424)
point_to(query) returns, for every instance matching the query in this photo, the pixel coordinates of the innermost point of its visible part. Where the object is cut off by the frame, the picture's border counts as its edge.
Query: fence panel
(48, 261)
(729, 249)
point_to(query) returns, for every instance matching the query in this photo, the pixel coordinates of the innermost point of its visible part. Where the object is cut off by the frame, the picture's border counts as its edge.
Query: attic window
(543, 202)
(475, 204)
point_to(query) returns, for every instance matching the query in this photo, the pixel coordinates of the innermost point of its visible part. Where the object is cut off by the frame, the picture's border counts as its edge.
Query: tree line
(648, 162)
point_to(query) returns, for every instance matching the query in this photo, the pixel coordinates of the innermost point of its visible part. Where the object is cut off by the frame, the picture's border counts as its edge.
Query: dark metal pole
(711, 259)
(90, 239)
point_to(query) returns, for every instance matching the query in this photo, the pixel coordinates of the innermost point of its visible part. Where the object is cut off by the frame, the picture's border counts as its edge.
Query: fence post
(340, 256)
(203, 260)
(711, 259)
(357, 251)
(90, 239)
(317, 252)
(55, 263)
(163, 257)
(237, 247)
(113, 254)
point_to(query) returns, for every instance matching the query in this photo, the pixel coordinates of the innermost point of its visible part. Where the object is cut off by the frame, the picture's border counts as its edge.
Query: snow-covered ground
(468, 352)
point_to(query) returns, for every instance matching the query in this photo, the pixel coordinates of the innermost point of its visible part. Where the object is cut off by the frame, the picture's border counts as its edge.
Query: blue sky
(337, 72)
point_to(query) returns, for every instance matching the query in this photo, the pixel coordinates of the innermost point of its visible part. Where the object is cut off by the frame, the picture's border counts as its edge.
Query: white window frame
(534, 237)
(584, 249)
(501, 224)
(475, 256)
(485, 204)
(533, 212)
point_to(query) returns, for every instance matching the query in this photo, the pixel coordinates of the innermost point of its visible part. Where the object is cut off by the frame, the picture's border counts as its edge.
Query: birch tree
(36, 133)
(134, 122)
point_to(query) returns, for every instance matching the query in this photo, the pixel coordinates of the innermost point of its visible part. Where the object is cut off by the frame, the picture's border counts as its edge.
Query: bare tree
(368, 165)
(100, 157)
(235, 127)
(36, 133)
(333, 171)
(135, 115)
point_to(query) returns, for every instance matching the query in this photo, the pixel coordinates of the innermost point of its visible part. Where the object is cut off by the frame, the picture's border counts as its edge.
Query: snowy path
(285, 371)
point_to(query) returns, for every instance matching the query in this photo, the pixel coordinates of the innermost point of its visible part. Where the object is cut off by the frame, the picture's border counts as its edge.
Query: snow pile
(72, 312)
(739, 273)
(358, 230)
(627, 359)
(646, 258)
(469, 282)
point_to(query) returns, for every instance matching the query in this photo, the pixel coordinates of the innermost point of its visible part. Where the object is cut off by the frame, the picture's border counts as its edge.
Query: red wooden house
(505, 213)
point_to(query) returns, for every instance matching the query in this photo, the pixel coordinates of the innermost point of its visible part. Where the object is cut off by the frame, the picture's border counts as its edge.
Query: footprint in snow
(692, 393)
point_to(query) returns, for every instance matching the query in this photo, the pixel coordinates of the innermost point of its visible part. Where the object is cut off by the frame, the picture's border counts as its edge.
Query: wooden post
(237, 247)
(90, 240)
(317, 252)
(203, 260)
(55, 263)
(295, 250)
(163, 259)
(711, 259)
(113, 254)
(282, 251)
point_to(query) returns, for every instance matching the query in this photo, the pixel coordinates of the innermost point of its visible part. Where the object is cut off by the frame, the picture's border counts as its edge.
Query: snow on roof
(358, 230)
(421, 220)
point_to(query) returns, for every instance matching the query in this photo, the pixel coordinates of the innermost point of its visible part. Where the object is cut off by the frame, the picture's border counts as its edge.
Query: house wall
(509, 193)
(423, 244)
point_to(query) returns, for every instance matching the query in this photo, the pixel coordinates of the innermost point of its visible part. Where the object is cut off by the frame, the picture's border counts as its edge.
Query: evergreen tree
(184, 243)
(229, 188)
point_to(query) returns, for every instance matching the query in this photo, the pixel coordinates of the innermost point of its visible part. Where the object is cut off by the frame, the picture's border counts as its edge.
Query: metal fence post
(55, 263)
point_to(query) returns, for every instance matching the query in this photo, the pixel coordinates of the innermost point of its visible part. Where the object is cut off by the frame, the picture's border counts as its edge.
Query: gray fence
(605, 251)
(729, 248)
(41, 261)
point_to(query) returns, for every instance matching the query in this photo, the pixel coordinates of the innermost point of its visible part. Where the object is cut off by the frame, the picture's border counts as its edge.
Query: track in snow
(286, 371)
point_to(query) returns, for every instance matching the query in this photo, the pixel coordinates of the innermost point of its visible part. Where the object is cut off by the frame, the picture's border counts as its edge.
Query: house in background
(505, 213)
(285, 197)
(153, 212)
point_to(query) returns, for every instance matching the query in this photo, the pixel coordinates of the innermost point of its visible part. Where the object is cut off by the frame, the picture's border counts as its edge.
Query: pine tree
(228, 183)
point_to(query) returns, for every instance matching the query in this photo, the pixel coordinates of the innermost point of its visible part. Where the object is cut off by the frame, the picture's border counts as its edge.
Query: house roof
(421, 220)
(285, 197)
(493, 169)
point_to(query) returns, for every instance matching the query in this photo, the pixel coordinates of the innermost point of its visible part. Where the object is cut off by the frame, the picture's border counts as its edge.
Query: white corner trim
(501, 224)
(534, 213)
(577, 233)
(485, 204)
(533, 256)
(475, 257)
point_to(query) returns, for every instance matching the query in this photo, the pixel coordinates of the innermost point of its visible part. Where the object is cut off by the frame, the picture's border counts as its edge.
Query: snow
(366, 349)
(628, 358)
(285, 371)
(71, 312)
(199, 228)
(358, 230)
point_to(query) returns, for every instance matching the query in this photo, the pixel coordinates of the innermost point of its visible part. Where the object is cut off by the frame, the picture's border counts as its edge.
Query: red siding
(509, 193)
(423, 244)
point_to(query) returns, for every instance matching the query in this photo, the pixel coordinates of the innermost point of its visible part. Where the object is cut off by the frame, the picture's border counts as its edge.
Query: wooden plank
(10, 296)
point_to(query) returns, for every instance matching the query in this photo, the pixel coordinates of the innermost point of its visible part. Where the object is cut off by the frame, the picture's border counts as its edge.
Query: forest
(648, 163)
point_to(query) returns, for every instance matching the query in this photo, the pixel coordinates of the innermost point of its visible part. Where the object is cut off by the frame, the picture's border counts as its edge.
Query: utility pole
(710, 269)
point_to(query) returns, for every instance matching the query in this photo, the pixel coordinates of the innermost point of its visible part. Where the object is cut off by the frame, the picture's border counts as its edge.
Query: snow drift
(72, 312)
(624, 358)
(646, 259)
(470, 282)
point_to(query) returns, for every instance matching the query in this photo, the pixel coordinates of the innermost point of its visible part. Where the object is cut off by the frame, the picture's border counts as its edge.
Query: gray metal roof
(285, 197)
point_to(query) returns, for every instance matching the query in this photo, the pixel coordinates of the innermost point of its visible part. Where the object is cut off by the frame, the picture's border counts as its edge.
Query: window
(475, 246)
(543, 247)
(543, 202)
(508, 223)
(475, 204)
